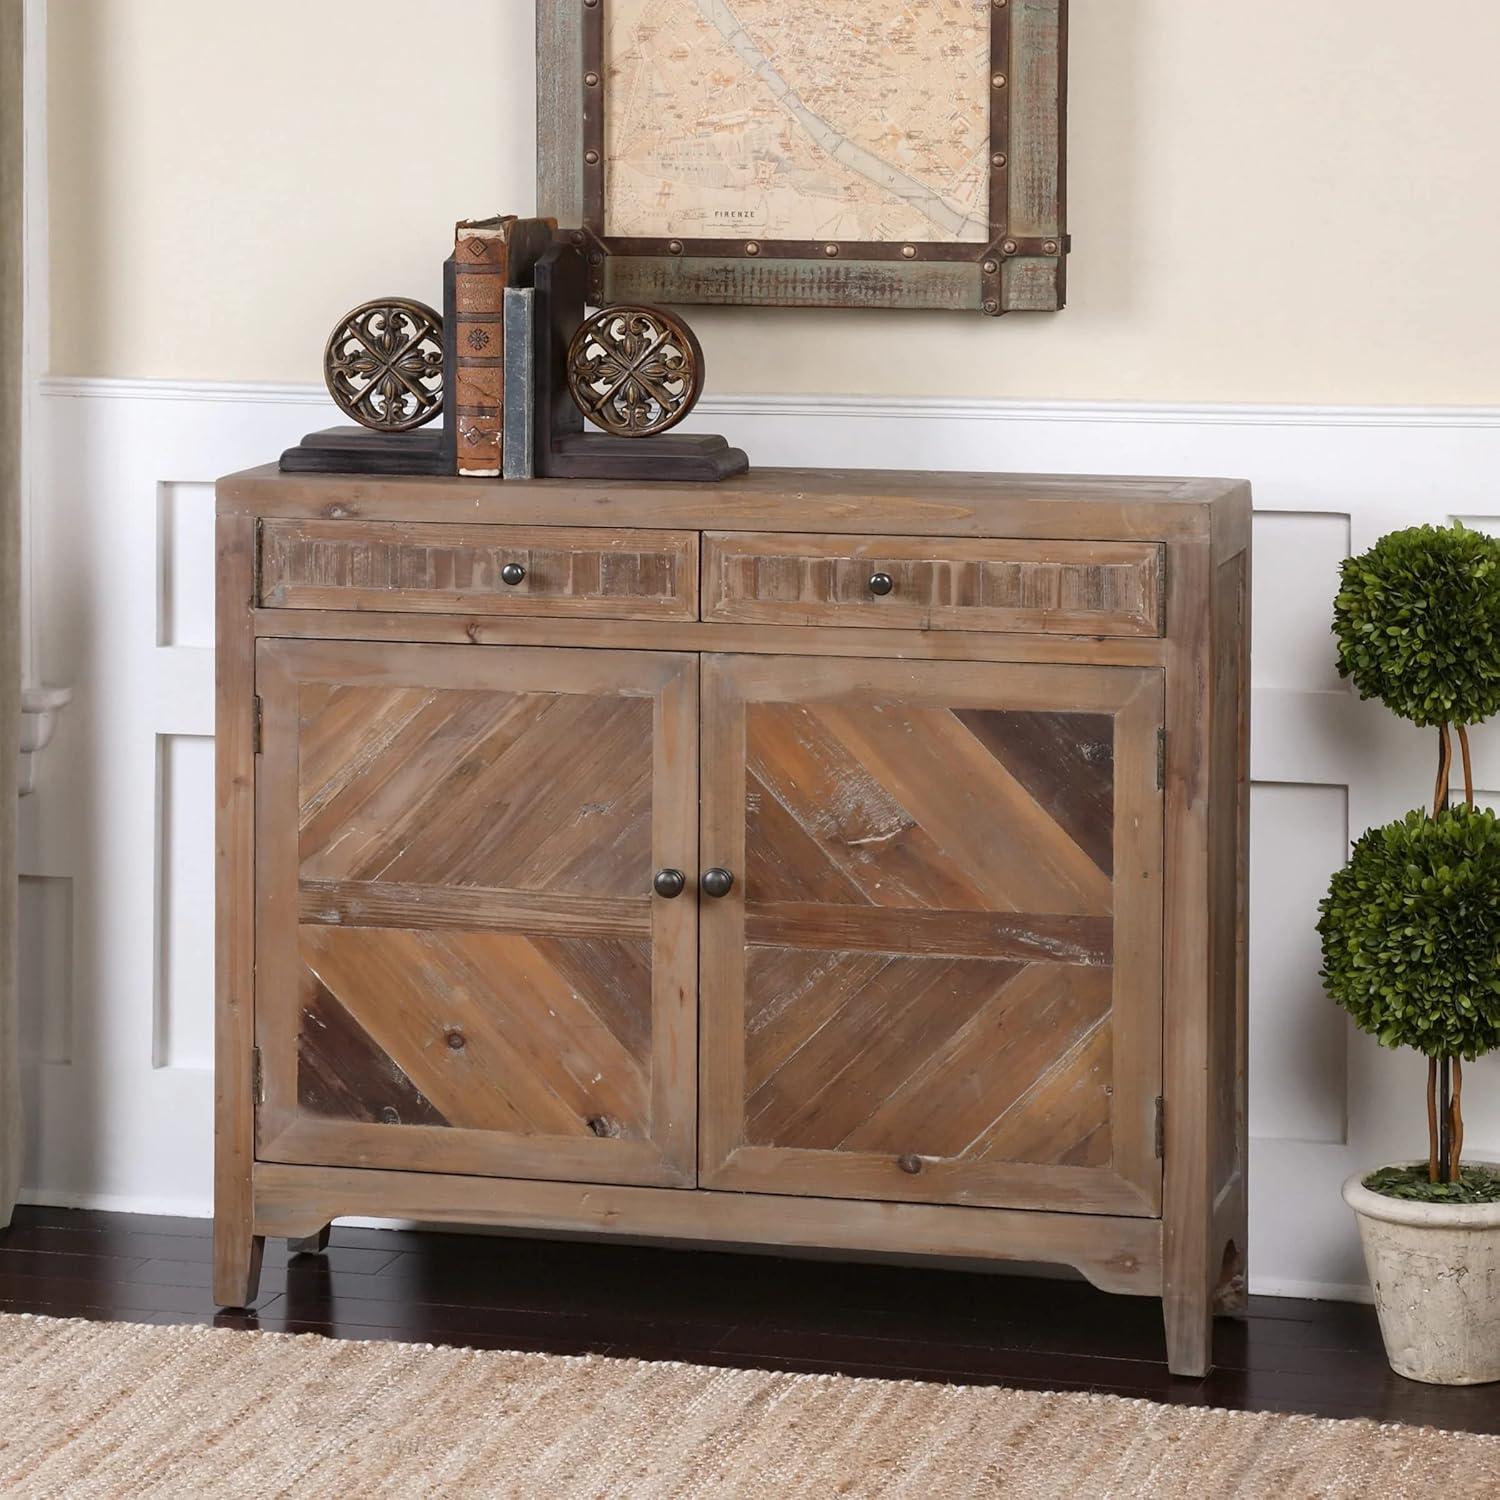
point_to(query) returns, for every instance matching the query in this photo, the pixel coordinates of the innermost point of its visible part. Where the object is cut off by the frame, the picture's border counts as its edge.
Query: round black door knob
(717, 882)
(669, 883)
(512, 573)
(881, 583)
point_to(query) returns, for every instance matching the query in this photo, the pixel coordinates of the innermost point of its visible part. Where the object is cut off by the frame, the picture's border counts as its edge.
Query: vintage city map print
(798, 119)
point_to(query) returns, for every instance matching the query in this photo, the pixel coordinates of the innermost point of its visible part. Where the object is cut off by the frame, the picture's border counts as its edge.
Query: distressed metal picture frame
(1021, 266)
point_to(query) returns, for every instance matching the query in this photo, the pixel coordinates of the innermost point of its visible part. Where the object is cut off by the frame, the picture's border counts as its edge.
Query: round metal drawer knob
(512, 573)
(881, 584)
(669, 883)
(717, 882)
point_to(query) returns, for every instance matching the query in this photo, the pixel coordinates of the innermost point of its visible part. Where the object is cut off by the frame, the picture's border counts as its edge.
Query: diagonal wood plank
(783, 860)
(938, 996)
(957, 1091)
(567, 1045)
(410, 992)
(872, 1031)
(790, 996)
(435, 835)
(407, 779)
(333, 720)
(343, 1075)
(573, 781)
(591, 829)
(982, 819)
(1066, 761)
(1065, 1116)
(616, 979)
(847, 808)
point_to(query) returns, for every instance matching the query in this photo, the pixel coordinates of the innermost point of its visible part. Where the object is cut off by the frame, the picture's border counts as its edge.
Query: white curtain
(10, 586)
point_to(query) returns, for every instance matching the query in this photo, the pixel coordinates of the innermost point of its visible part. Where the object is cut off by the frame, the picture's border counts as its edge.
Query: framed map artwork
(816, 153)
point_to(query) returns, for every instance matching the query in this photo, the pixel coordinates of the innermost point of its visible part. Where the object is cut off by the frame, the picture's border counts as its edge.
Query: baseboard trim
(119, 1203)
(881, 408)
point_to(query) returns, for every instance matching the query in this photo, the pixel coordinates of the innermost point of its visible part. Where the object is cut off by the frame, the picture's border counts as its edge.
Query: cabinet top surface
(849, 500)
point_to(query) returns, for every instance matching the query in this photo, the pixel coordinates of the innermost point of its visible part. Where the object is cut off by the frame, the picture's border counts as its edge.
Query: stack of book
(489, 344)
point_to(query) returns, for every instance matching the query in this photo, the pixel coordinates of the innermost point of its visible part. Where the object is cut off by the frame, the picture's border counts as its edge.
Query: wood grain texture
(459, 964)
(1067, 587)
(1117, 1254)
(1205, 1206)
(749, 640)
(1038, 112)
(237, 1251)
(442, 568)
(1008, 986)
(849, 501)
(913, 985)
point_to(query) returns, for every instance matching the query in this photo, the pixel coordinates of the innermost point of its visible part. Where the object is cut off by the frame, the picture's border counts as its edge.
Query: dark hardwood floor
(571, 1297)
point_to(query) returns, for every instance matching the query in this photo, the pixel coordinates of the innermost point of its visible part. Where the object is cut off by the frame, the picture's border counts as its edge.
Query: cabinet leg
(237, 1258)
(1190, 1331)
(313, 1244)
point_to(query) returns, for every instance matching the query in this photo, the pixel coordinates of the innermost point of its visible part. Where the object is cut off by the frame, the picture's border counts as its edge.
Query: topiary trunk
(1445, 1074)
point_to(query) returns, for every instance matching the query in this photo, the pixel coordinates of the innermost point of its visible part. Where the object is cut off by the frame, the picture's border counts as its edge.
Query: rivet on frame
(990, 267)
(592, 158)
(998, 80)
(992, 307)
(1010, 247)
(1050, 247)
(909, 251)
(592, 79)
(999, 159)
(591, 3)
(578, 236)
(830, 249)
(675, 246)
(752, 248)
(595, 258)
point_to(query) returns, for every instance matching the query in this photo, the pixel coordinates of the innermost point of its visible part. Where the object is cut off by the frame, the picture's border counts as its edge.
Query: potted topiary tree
(1411, 942)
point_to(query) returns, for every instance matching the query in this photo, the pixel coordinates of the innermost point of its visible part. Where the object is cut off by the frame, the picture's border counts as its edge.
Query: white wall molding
(882, 408)
(119, 1103)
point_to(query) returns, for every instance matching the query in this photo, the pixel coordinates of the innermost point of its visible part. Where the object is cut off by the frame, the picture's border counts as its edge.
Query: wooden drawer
(452, 569)
(937, 583)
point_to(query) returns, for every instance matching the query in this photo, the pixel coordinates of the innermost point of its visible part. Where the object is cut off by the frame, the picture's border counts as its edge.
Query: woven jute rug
(111, 1409)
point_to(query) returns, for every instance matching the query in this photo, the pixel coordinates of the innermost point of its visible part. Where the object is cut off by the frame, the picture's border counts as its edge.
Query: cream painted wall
(1288, 201)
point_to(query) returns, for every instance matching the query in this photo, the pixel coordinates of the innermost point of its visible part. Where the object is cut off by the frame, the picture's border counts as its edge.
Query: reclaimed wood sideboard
(851, 860)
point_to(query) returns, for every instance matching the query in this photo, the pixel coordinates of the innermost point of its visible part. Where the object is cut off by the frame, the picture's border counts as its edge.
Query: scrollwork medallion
(635, 371)
(384, 364)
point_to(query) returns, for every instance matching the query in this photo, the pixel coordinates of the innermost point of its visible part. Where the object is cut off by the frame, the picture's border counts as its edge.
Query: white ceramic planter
(1435, 1268)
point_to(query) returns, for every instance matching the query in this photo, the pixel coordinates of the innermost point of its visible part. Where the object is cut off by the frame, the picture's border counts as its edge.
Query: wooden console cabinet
(847, 860)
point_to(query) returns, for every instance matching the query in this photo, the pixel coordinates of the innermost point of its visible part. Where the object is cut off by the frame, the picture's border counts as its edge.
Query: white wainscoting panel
(115, 843)
(184, 1012)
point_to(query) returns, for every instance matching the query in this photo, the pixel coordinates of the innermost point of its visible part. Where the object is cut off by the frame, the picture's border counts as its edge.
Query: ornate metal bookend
(384, 364)
(635, 371)
(563, 450)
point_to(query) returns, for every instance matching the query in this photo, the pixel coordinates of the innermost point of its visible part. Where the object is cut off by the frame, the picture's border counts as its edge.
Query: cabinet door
(937, 974)
(460, 962)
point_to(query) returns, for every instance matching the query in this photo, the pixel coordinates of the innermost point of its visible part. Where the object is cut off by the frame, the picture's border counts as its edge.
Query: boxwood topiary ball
(1411, 933)
(1417, 619)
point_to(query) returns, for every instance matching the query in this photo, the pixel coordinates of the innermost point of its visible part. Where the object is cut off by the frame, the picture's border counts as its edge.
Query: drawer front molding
(1063, 587)
(445, 569)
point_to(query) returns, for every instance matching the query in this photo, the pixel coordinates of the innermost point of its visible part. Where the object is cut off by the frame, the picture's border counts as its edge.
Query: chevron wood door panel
(937, 975)
(461, 964)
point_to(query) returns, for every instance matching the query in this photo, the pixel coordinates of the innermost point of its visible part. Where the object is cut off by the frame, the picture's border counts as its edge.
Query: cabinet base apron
(1115, 1254)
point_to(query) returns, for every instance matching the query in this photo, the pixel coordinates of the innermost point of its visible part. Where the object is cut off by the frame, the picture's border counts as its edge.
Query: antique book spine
(481, 265)
(517, 458)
